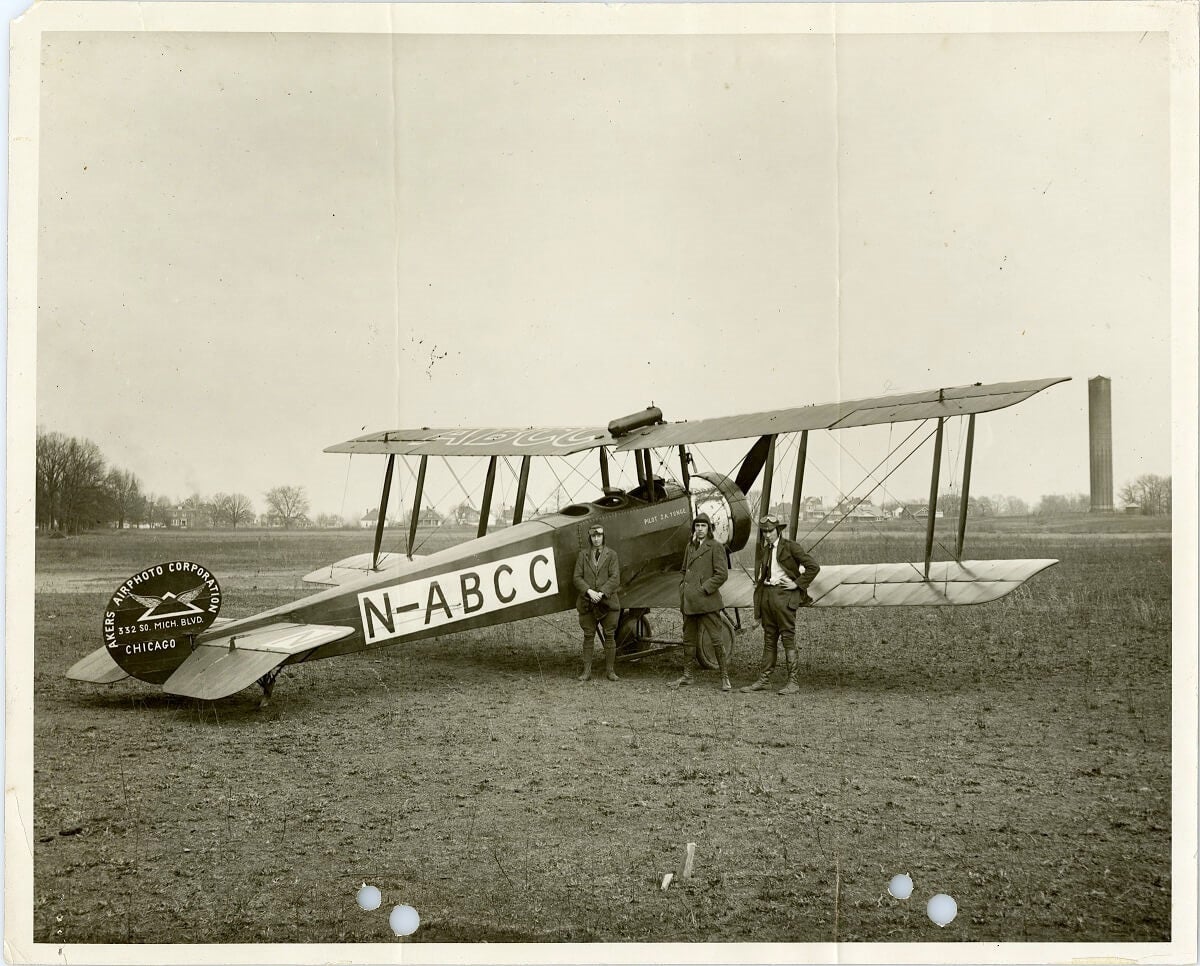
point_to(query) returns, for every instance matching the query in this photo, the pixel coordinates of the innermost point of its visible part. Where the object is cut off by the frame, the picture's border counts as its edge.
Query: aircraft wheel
(708, 647)
(633, 628)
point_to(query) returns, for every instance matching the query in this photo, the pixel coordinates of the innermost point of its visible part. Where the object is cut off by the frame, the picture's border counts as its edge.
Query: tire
(632, 629)
(707, 650)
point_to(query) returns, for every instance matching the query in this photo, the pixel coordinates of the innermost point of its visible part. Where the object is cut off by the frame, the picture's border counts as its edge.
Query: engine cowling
(726, 505)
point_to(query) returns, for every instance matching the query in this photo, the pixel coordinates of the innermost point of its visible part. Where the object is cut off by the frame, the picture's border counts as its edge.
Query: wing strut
(933, 493)
(383, 505)
(798, 488)
(764, 501)
(683, 469)
(522, 486)
(489, 484)
(966, 489)
(604, 481)
(646, 473)
(416, 510)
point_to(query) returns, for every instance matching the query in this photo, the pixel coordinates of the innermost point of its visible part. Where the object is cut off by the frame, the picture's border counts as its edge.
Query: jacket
(604, 576)
(796, 563)
(705, 569)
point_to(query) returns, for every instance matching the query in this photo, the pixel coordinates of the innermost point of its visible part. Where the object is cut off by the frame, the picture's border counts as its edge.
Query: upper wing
(531, 441)
(931, 403)
(562, 441)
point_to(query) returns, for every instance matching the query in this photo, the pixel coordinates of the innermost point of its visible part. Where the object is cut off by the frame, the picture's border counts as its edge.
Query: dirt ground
(1014, 755)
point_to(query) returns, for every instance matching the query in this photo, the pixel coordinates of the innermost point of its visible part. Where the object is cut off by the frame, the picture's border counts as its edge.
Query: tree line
(77, 490)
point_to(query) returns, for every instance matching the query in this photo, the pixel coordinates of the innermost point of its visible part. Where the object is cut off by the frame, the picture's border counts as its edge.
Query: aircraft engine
(726, 506)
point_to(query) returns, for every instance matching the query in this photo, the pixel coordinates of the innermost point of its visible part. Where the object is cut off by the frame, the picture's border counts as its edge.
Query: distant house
(368, 521)
(866, 511)
(184, 518)
(855, 510)
(811, 508)
(919, 511)
(273, 521)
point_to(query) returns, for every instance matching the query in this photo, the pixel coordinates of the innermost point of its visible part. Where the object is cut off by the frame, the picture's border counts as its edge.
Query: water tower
(1100, 443)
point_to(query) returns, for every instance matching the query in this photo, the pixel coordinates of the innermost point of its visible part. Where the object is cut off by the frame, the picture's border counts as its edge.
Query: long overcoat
(704, 570)
(604, 576)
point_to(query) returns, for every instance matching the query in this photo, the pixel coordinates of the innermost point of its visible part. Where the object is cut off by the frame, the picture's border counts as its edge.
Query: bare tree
(239, 509)
(218, 507)
(51, 462)
(1054, 503)
(125, 494)
(1149, 491)
(71, 493)
(161, 511)
(289, 503)
(1010, 506)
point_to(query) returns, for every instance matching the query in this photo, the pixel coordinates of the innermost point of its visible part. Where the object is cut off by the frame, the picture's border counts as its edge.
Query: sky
(252, 246)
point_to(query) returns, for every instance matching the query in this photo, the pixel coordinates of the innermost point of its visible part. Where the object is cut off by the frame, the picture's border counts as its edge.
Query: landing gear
(708, 646)
(267, 683)
(633, 628)
(635, 639)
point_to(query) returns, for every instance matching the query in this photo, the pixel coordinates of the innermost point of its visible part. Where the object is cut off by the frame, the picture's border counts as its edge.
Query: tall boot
(686, 677)
(725, 685)
(766, 669)
(610, 656)
(588, 645)
(793, 666)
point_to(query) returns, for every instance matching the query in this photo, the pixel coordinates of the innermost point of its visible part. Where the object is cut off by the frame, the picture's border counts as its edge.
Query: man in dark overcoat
(705, 569)
(597, 577)
(780, 589)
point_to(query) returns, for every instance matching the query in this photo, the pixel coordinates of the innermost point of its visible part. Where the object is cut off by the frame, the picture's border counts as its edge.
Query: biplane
(161, 625)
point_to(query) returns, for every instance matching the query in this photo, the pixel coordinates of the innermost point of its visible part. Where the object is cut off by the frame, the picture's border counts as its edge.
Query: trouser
(692, 626)
(606, 622)
(778, 608)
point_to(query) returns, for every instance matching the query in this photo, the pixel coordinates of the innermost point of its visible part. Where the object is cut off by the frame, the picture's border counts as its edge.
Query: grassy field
(1014, 755)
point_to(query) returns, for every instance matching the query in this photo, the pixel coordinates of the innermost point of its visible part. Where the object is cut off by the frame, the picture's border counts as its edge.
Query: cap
(769, 522)
(702, 518)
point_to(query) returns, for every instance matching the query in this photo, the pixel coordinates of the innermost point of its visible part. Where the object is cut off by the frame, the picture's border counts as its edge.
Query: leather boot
(586, 674)
(725, 685)
(686, 677)
(793, 667)
(610, 656)
(767, 668)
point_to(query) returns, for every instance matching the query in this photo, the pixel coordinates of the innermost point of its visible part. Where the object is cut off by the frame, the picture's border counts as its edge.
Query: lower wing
(950, 583)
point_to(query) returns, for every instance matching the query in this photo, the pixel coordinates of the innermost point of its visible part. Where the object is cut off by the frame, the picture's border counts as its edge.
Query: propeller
(752, 465)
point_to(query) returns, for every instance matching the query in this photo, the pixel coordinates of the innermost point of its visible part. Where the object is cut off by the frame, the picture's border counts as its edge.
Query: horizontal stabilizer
(97, 668)
(225, 665)
(352, 568)
(950, 583)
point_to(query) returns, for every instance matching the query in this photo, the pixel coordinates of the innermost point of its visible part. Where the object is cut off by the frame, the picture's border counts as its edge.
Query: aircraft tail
(225, 665)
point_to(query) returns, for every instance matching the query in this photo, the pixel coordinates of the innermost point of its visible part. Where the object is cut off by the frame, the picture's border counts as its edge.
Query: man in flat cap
(705, 569)
(780, 589)
(597, 576)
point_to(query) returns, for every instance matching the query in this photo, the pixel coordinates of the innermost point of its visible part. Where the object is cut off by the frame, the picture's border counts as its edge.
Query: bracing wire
(870, 475)
(842, 495)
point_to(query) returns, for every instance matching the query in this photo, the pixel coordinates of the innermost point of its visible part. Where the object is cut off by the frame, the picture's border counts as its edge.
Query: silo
(1100, 440)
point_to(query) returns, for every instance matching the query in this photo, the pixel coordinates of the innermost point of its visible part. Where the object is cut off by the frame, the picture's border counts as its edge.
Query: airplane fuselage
(519, 572)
